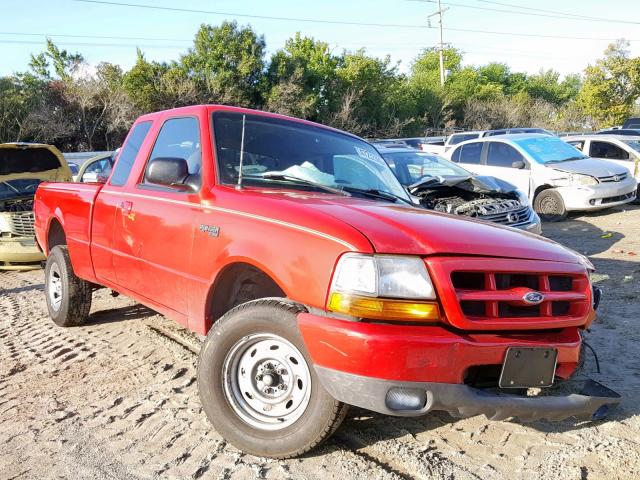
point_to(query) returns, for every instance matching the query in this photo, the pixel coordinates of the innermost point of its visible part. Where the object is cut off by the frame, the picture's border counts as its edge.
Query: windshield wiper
(566, 159)
(374, 193)
(302, 181)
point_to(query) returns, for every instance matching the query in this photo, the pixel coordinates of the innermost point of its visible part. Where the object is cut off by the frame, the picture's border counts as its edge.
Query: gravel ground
(117, 399)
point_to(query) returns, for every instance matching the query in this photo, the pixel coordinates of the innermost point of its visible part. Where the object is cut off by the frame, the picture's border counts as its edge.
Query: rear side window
(607, 150)
(180, 138)
(470, 153)
(128, 154)
(502, 155)
(462, 137)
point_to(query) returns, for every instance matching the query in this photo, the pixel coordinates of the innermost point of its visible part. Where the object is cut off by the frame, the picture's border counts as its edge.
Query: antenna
(239, 185)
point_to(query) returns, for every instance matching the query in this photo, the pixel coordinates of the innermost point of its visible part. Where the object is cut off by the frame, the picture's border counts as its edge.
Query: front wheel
(550, 206)
(258, 386)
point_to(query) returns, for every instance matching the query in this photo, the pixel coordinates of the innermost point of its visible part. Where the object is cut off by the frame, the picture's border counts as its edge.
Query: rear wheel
(550, 205)
(258, 386)
(68, 297)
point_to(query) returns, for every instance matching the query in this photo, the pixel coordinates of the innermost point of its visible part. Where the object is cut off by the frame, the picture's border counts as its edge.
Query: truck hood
(405, 230)
(590, 166)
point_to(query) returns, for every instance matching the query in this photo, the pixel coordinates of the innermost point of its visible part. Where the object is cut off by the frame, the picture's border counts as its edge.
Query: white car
(623, 150)
(556, 176)
(457, 138)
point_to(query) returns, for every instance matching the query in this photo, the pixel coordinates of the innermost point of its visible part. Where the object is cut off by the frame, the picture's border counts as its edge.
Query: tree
(227, 63)
(303, 72)
(611, 86)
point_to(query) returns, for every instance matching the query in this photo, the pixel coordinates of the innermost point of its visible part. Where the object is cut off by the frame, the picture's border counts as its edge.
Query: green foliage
(611, 86)
(59, 100)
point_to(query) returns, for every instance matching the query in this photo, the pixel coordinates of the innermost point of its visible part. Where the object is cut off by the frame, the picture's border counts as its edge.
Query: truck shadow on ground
(26, 288)
(129, 312)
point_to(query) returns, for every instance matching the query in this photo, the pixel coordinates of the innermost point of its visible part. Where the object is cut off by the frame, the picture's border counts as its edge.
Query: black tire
(74, 294)
(322, 414)
(550, 206)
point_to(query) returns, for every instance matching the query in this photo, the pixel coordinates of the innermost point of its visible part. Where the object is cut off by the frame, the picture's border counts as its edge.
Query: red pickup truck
(318, 283)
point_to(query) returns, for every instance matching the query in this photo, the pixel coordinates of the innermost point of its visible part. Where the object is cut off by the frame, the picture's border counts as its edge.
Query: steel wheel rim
(266, 381)
(549, 206)
(54, 287)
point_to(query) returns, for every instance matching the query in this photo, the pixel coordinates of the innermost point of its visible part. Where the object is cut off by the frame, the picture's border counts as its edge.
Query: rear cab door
(110, 202)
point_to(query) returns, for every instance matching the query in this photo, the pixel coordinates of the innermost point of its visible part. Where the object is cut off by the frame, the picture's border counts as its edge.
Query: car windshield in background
(634, 144)
(18, 188)
(278, 151)
(411, 167)
(549, 149)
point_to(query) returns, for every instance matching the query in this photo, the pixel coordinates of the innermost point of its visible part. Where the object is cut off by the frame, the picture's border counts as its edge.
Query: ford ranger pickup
(317, 283)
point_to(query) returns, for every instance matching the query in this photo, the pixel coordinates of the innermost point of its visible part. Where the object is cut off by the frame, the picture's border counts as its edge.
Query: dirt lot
(117, 399)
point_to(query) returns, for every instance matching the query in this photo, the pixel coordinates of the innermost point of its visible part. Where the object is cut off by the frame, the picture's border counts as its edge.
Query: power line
(533, 35)
(91, 44)
(545, 15)
(102, 37)
(585, 17)
(244, 15)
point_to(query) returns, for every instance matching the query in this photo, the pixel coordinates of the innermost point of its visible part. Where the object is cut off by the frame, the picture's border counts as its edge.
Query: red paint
(147, 244)
(418, 354)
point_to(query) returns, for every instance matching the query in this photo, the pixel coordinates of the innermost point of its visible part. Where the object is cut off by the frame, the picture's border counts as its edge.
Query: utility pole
(441, 48)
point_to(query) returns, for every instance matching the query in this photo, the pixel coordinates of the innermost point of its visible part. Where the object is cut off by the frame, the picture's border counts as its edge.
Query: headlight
(383, 287)
(576, 179)
(4, 224)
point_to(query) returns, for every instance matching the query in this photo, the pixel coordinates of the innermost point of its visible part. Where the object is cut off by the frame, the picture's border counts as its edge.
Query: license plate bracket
(528, 367)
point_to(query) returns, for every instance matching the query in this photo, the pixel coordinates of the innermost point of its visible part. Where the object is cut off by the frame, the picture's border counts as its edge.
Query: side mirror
(167, 171)
(519, 164)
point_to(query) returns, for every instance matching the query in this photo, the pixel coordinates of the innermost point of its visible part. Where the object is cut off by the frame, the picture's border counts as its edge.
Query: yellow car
(22, 167)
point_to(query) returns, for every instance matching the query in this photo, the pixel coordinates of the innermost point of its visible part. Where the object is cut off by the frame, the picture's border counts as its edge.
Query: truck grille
(511, 217)
(21, 224)
(490, 294)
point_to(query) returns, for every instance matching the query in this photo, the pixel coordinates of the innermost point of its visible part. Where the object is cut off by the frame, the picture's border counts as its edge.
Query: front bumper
(19, 253)
(597, 197)
(593, 401)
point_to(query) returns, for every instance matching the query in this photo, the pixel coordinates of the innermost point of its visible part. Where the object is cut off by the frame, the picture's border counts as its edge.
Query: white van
(557, 177)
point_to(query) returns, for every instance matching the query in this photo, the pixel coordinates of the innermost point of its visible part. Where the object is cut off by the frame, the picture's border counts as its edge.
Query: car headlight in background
(4, 224)
(576, 179)
(383, 287)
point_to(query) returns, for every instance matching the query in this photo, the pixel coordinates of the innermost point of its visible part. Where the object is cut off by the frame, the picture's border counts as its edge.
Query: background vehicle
(22, 167)
(619, 131)
(457, 138)
(446, 187)
(632, 122)
(96, 169)
(425, 144)
(557, 177)
(318, 283)
(623, 150)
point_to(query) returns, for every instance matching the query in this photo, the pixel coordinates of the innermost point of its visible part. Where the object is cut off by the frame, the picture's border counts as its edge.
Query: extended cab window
(180, 138)
(607, 150)
(470, 153)
(128, 154)
(502, 155)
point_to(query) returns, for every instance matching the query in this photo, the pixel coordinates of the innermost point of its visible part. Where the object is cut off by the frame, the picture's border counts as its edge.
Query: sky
(105, 31)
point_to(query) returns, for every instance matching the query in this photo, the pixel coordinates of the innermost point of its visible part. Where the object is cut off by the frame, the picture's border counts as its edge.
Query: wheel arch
(55, 234)
(238, 282)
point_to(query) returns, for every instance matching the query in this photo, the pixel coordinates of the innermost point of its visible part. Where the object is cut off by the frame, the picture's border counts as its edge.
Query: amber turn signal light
(383, 308)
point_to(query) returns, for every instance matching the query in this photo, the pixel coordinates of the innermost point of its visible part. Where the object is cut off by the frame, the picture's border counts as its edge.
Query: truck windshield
(18, 188)
(277, 151)
(549, 149)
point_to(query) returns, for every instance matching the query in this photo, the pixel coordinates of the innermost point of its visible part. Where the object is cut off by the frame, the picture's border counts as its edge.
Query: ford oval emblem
(533, 298)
